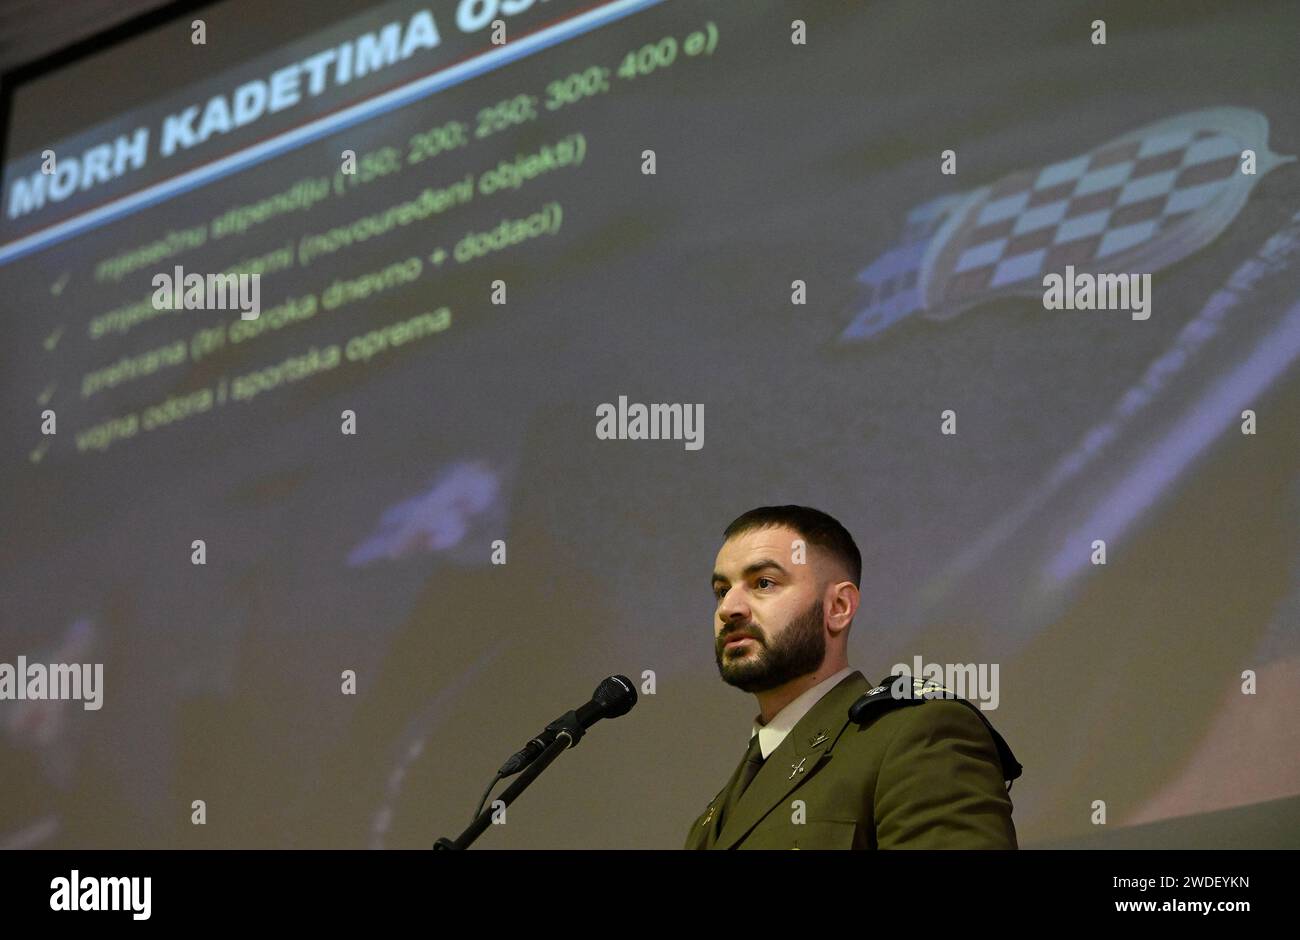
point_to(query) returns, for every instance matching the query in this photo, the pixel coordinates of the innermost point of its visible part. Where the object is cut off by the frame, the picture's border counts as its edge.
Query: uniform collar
(770, 735)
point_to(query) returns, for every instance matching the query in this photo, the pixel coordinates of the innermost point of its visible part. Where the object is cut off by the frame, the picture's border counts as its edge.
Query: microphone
(613, 697)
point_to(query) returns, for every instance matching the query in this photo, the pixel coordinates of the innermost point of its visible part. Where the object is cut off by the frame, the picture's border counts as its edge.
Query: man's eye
(719, 591)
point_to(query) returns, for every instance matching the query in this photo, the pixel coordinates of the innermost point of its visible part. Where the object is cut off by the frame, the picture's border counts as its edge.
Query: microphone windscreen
(615, 695)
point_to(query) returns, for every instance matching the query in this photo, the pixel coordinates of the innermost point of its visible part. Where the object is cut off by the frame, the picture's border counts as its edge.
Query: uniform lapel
(794, 760)
(705, 832)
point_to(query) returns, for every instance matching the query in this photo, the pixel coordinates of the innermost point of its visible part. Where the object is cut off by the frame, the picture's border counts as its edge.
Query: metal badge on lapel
(817, 739)
(1142, 201)
(796, 768)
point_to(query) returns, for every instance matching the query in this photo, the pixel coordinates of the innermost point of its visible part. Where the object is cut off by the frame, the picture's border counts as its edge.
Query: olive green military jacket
(925, 776)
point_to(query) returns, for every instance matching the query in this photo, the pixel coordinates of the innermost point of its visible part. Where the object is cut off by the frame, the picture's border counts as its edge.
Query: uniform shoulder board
(895, 691)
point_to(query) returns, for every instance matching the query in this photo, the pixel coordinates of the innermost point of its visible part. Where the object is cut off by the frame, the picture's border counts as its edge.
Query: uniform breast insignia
(707, 816)
(796, 768)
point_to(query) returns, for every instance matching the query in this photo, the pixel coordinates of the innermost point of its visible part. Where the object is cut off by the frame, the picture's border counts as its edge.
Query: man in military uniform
(927, 776)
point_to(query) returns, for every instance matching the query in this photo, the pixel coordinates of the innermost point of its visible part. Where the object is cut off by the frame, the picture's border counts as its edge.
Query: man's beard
(798, 650)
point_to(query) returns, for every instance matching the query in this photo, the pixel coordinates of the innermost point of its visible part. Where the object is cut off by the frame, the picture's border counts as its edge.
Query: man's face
(762, 595)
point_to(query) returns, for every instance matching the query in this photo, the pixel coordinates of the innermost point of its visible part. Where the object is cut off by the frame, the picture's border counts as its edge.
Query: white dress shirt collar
(770, 735)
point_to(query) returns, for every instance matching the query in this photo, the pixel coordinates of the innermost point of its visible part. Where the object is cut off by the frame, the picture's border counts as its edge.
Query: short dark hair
(816, 528)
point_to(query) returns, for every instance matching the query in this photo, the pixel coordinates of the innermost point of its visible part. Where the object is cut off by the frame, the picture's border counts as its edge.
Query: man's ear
(844, 601)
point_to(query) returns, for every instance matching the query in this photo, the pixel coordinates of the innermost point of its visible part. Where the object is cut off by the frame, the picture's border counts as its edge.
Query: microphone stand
(568, 732)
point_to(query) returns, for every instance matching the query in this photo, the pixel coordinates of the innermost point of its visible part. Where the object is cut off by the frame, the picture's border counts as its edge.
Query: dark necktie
(753, 761)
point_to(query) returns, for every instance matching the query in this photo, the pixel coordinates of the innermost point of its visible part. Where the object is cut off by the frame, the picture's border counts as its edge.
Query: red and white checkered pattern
(1086, 212)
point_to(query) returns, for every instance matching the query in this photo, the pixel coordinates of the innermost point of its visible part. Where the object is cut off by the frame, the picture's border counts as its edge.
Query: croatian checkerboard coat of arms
(1140, 202)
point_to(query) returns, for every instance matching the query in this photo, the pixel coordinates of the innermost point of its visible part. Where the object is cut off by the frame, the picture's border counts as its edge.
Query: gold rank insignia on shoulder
(897, 690)
(929, 687)
(904, 686)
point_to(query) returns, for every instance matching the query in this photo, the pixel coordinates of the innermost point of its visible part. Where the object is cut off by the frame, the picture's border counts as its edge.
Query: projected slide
(378, 380)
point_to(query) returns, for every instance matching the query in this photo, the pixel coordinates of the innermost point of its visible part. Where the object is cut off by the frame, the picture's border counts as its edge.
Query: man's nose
(732, 608)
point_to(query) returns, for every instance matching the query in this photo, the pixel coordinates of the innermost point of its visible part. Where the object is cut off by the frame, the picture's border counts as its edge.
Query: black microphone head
(615, 696)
